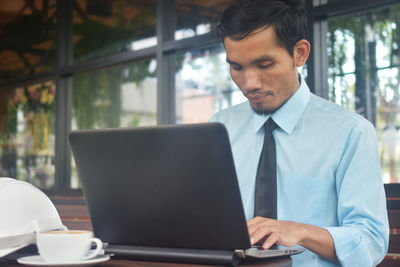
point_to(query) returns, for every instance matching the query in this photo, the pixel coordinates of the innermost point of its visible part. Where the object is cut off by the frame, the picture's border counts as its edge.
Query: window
(364, 76)
(203, 85)
(196, 17)
(123, 96)
(111, 70)
(103, 28)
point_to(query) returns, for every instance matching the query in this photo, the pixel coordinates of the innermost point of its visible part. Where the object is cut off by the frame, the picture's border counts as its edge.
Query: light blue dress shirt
(328, 173)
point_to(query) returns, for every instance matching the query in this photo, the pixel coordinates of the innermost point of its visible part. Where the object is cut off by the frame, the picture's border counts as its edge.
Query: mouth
(257, 99)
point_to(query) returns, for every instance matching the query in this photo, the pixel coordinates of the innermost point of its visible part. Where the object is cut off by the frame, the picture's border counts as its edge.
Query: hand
(283, 233)
(290, 234)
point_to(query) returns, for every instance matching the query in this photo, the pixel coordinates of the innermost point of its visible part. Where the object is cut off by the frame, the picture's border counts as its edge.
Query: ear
(301, 52)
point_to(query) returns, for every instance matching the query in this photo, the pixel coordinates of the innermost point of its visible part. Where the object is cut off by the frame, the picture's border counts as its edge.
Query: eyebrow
(256, 61)
(231, 62)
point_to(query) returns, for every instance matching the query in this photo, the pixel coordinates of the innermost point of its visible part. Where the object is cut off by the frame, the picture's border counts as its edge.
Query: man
(330, 196)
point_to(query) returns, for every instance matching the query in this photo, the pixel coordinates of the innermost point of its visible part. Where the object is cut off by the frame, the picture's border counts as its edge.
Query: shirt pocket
(306, 199)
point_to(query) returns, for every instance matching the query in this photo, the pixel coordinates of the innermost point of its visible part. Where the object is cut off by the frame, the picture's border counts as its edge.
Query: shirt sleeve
(361, 239)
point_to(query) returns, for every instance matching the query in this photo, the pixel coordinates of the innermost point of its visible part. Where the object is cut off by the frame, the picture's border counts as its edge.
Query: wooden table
(273, 262)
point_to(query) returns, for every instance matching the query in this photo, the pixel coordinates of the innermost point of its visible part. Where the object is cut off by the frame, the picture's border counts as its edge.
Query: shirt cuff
(350, 248)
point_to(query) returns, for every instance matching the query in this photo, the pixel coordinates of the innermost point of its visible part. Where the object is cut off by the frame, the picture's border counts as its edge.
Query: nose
(251, 81)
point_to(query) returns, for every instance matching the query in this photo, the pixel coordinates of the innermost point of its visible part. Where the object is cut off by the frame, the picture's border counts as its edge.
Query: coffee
(67, 245)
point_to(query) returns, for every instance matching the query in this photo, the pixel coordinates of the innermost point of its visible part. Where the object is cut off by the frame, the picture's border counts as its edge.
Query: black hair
(287, 17)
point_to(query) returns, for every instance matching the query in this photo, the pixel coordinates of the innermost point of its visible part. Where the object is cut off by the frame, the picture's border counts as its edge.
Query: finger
(254, 228)
(261, 241)
(259, 234)
(271, 240)
(258, 222)
(254, 221)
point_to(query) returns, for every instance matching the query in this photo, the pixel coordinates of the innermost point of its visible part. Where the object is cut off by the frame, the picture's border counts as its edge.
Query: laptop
(167, 193)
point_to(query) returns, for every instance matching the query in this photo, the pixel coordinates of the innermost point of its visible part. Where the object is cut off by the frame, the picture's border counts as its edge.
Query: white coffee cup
(67, 245)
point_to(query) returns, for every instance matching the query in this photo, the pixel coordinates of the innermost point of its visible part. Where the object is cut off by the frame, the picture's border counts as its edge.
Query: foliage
(97, 96)
(97, 39)
(32, 38)
(370, 28)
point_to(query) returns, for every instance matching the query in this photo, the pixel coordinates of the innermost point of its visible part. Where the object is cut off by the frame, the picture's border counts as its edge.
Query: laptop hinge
(198, 256)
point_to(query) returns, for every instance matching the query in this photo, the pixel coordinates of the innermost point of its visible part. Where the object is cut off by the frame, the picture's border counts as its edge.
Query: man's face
(263, 70)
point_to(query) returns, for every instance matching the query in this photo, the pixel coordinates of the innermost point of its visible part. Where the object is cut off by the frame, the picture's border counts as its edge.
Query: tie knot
(269, 126)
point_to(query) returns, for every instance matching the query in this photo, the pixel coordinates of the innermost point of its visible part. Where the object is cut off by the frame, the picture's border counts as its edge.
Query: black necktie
(265, 204)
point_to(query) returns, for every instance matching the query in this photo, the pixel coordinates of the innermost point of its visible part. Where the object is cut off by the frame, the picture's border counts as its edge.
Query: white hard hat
(24, 211)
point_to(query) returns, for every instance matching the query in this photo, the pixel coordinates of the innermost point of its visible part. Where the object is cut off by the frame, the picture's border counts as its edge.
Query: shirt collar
(287, 116)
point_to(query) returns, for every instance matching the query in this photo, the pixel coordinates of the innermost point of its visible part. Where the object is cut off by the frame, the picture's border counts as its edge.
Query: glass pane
(123, 96)
(104, 27)
(203, 85)
(27, 134)
(27, 34)
(364, 76)
(341, 62)
(195, 17)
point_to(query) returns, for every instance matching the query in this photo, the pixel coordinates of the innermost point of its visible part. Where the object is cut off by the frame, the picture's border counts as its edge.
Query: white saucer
(38, 261)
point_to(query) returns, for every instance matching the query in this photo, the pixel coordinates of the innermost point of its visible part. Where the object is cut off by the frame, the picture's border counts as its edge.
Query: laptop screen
(163, 186)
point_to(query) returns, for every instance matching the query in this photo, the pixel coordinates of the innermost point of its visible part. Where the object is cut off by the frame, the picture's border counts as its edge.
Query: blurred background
(79, 64)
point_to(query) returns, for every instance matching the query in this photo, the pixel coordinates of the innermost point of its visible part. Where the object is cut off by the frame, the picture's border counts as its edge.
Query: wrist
(305, 234)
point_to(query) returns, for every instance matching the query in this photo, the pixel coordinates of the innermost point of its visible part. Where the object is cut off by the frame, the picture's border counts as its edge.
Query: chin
(264, 112)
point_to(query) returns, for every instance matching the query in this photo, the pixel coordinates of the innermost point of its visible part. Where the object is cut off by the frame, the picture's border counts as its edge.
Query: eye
(264, 66)
(236, 67)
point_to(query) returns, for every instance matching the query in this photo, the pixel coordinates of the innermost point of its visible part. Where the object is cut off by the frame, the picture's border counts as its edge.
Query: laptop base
(195, 256)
